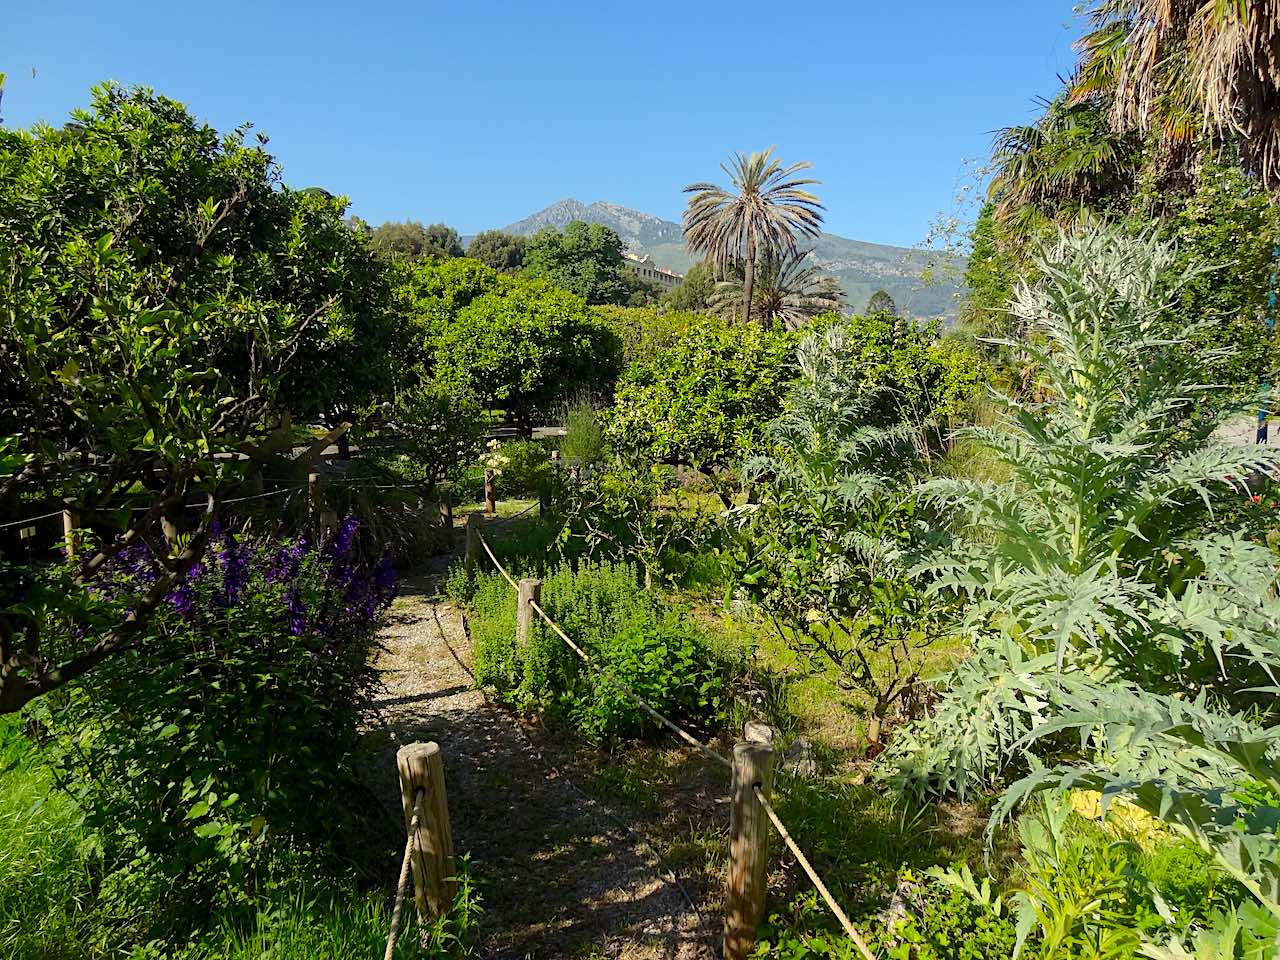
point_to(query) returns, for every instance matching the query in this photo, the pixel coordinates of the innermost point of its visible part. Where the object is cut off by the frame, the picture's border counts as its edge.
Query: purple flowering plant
(228, 729)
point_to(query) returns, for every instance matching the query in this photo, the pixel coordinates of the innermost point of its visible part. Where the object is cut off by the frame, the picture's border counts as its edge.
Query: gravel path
(558, 875)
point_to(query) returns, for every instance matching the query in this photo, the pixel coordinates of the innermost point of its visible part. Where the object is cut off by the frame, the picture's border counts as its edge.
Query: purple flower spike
(297, 614)
(345, 537)
(285, 564)
(235, 571)
(183, 599)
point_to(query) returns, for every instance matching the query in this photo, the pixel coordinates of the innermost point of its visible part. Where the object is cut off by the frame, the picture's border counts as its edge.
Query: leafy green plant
(1212, 778)
(941, 924)
(226, 734)
(523, 346)
(1090, 561)
(630, 512)
(823, 550)
(704, 401)
(653, 650)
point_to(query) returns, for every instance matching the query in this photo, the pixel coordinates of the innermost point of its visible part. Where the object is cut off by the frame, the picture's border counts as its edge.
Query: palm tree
(1183, 67)
(1067, 161)
(766, 212)
(787, 291)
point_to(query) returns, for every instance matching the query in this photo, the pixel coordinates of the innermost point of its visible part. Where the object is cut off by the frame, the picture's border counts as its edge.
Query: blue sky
(477, 114)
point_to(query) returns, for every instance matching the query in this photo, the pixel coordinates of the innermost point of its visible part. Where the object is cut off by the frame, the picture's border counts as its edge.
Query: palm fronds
(765, 213)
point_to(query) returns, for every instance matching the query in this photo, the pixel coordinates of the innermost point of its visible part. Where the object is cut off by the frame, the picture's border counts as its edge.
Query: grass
(51, 908)
(45, 867)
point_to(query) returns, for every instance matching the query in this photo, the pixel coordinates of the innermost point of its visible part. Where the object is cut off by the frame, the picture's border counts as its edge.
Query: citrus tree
(164, 302)
(705, 400)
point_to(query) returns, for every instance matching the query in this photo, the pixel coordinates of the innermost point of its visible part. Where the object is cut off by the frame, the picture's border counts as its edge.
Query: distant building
(644, 268)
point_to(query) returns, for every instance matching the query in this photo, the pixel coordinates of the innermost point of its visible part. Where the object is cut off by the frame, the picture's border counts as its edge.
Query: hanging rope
(403, 886)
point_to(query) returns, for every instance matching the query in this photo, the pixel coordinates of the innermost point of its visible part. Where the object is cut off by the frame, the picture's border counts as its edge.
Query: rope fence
(403, 885)
(813, 875)
(753, 787)
(30, 520)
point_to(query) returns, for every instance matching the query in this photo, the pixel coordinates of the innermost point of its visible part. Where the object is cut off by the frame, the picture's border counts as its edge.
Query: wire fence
(702, 748)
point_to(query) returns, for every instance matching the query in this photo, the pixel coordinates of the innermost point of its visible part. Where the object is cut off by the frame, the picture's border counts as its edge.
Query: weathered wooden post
(490, 494)
(434, 874)
(69, 524)
(748, 847)
(757, 731)
(530, 592)
(315, 493)
(544, 502)
(446, 516)
(255, 484)
(473, 542)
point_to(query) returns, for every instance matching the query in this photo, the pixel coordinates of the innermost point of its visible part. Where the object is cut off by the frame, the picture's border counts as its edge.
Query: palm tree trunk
(748, 279)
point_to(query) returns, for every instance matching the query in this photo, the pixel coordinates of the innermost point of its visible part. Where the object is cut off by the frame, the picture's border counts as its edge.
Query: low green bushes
(224, 738)
(653, 649)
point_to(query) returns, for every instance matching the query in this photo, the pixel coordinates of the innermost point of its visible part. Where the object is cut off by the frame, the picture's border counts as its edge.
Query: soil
(559, 874)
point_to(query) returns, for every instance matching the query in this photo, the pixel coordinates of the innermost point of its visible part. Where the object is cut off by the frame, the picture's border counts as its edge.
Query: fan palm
(1181, 66)
(1066, 161)
(764, 214)
(788, 291)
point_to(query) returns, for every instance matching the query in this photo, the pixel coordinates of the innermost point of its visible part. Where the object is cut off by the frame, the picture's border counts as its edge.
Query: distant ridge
(861, 267)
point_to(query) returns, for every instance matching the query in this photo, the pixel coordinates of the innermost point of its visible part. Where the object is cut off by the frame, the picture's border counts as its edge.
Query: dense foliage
(1095, 563)
(703, 401)
(225, 735)
(412, 241)
(584, 258)
(501, 251)
(164, 301)
(825, 547)
(653, 650)
(524, 347)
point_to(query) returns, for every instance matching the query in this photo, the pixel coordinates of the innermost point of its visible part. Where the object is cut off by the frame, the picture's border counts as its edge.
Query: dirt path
(559, 876)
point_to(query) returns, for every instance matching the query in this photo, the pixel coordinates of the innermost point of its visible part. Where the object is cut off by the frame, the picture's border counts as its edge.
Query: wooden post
(473, 542)
(316, 492)
(530, 591)
(434, 873)
(490, 495)
(255, 485)
(328, 523)
(748, 848)
(446, 516)
(757, 731)
(69, 525)
(544, 502)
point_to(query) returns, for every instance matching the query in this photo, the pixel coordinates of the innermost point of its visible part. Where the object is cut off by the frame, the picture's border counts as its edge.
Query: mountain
(922, 283)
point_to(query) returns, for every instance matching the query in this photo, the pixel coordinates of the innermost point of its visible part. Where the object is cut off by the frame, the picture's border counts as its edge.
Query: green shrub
(600, 605)
(522, 468)
(226, 734)
(583, 441)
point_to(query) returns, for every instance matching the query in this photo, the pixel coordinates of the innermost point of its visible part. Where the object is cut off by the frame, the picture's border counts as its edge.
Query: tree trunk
(748, 280)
